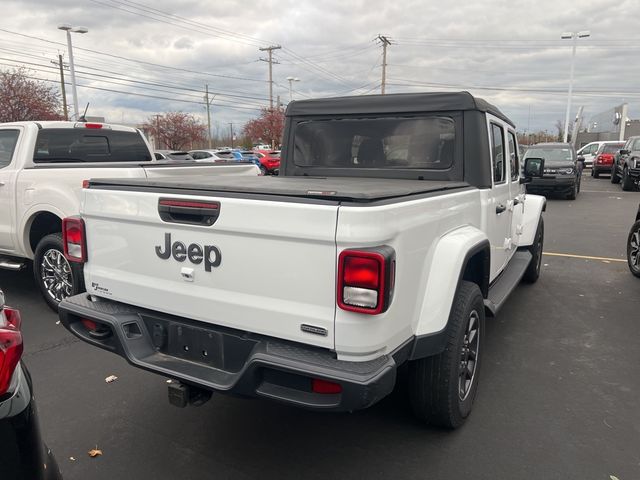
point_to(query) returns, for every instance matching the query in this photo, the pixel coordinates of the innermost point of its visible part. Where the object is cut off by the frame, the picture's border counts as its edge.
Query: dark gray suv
(626, 165)
(562, 169)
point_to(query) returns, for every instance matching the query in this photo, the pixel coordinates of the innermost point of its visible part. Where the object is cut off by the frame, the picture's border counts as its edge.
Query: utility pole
(231, 126)
(385, 43)
(574, 36)
(206, 99)
(62, 87)
(158, 131)
(271, 62)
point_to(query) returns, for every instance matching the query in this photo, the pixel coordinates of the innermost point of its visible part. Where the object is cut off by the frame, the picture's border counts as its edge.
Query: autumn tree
(176, 130)
(268, 127)
(22, 98)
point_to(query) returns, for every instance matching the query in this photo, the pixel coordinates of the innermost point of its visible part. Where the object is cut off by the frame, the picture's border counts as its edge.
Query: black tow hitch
(181, 395)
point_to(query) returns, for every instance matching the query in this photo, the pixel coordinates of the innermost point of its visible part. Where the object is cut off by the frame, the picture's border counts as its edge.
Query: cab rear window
(64, 145)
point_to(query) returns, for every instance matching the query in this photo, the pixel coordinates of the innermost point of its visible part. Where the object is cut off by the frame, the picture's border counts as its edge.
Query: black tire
(435, 382)
(595, 173)
(633, 246)
(263, 170)
(627, 181)
(47, 247)
(574, 192)
(532, 273)
(614, 174)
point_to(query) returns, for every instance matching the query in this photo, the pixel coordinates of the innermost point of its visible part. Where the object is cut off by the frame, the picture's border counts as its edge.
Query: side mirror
(624, 152)
(581, 158)
(533, 167)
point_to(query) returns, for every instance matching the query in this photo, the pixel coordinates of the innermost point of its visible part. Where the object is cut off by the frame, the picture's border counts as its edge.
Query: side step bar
(11, 264)
(500, 290)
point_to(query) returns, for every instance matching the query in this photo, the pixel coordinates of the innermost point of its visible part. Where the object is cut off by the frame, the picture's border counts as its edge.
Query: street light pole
(291, 80)
(69, 29)
(574, 36)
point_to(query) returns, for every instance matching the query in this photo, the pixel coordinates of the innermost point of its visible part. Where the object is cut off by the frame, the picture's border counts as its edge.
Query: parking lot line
(585, 257)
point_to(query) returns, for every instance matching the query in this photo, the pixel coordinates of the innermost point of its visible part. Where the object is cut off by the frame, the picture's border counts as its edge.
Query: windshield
(88, 145)
(404, 143)
(551, 155)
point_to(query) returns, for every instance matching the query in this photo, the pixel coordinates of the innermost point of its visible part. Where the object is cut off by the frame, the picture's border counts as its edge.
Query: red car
(270, 160)
(603, 159)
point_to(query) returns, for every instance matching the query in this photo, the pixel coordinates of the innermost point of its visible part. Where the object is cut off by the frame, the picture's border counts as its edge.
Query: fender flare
(451, 257)
(27, 220)
(534, 205)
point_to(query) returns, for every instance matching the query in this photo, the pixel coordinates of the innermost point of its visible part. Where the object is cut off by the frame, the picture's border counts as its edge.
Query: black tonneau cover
(326, 188)
(395, 103)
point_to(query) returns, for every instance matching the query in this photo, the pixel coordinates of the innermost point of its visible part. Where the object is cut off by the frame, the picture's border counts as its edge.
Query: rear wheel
(627, 181)
(56, 277)
(263, 170)
(442, 388)
(633, 249)
(595, 173)
(614, 174)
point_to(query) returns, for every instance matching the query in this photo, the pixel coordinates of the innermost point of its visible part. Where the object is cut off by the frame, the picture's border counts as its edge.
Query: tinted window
(59, 145)
(513, 155)
(497, 153)
(402, 143)
(612, 148)
(8, 141)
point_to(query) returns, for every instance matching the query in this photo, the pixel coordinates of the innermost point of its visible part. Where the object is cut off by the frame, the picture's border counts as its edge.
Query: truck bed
(363, 190)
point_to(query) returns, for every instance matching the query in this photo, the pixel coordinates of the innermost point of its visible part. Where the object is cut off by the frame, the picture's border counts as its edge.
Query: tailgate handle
(187, 211)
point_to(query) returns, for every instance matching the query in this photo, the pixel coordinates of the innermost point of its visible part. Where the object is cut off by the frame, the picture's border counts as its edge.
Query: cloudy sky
(141, 57)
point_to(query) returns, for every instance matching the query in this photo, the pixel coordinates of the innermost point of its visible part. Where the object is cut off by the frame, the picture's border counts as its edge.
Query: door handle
(500, 209)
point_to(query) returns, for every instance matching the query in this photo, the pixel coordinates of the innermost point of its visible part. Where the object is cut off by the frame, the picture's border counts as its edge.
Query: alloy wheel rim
(56, 276)
(634, 246)
(469, 356)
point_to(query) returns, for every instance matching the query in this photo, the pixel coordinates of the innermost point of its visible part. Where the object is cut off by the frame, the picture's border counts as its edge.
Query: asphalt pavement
(558, 395)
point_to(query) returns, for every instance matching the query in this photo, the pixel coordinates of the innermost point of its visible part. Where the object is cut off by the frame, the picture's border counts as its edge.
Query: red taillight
(362, 272)
(93, 125)
(74, 240)
(365, 279)
(10, 346)
(325, 387)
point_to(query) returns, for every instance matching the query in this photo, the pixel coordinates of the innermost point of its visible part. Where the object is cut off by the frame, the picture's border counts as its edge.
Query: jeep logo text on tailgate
(195, 253)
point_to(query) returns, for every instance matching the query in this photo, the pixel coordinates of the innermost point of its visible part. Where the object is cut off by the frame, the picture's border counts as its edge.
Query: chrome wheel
(469, 355)
(634, 246)
(55, 273)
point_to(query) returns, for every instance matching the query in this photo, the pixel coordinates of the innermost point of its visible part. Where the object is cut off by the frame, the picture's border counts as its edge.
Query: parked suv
(23, 454)
(604, 158)
(626, 165)
(562, 169)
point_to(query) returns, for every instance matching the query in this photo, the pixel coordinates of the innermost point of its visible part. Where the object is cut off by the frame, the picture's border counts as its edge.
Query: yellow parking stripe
(586, 257)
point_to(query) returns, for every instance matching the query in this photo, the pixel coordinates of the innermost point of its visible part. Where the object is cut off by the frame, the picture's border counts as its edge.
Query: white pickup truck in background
(398, 222)
(42, 169)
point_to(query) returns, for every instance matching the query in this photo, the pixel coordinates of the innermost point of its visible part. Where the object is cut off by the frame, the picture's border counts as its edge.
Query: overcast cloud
(508, 52)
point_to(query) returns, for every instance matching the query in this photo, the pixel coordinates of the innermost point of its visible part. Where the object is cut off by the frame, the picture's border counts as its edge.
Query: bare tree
(23, 98)
(268, 127)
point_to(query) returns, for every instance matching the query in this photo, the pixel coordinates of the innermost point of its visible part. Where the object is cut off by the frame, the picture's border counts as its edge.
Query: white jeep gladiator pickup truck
(42, 169)
(398, 223)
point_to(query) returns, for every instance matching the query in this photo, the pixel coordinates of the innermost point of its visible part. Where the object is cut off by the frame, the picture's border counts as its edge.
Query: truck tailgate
(263, 266)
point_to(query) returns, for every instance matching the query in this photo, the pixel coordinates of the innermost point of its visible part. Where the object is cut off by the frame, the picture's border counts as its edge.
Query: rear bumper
(232, 361)
(551, 185)
(602, 167)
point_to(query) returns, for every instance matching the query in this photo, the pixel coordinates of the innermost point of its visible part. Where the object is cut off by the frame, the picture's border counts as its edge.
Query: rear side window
(636, 145)
(60, 145)
(612, 148)
(384, 143)
(8, 141)
(497, 153)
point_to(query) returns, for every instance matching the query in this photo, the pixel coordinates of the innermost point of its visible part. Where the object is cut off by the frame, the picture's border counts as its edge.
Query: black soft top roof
(394, 103)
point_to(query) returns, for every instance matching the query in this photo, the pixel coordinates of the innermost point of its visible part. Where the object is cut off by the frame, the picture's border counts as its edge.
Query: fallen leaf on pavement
(111, 378)
(95, 452)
